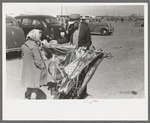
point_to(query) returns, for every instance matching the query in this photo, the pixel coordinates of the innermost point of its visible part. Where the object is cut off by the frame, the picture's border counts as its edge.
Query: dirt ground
(121, 77)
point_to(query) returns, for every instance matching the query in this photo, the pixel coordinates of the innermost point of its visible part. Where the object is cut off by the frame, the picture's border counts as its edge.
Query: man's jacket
(84, 37)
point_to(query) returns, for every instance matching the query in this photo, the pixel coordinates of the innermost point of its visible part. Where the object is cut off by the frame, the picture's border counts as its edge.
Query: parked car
(96, 27)
(14, 35)
(139, 22)
(51, 29)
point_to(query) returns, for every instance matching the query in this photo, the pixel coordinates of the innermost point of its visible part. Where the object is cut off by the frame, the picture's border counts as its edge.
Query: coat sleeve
(64, 40)
(88, 38)
(38, 61)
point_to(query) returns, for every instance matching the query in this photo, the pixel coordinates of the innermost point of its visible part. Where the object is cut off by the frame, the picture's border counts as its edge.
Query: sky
(96, 9)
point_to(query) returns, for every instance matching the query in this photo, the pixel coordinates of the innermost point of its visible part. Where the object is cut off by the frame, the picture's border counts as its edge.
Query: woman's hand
(53, 42)
(44, 42)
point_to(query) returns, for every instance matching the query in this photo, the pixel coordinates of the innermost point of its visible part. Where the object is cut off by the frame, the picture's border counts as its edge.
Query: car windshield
(10, 22)
(51, 20)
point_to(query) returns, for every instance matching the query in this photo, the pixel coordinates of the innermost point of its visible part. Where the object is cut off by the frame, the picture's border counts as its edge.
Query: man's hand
(82, 48)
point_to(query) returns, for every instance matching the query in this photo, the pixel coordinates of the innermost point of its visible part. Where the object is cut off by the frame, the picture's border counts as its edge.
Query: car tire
(110, 33)
(104, 32)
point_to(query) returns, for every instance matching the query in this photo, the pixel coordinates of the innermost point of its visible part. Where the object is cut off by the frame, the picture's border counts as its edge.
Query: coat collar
(30, 44)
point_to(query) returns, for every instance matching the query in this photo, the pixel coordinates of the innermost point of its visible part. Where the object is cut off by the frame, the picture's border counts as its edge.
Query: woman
(34, 72)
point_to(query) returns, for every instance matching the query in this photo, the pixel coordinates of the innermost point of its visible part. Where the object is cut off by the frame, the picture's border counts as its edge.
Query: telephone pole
(61, 9)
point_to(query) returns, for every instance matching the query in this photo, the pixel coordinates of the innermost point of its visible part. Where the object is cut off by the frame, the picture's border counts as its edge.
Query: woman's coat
(34, 72)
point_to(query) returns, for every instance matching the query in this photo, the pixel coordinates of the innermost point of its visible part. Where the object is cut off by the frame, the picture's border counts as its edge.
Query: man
(78, 35)
(83, 20)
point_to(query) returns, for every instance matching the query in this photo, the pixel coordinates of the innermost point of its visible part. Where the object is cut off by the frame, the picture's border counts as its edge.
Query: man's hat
(74, 17)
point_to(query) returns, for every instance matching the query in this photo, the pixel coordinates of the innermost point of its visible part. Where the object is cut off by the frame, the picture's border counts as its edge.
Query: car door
(14, 35)
(91, 25)
(27, 24)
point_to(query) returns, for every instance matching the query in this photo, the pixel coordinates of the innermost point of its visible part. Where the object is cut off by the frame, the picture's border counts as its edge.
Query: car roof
(34, 16)
(10, 17)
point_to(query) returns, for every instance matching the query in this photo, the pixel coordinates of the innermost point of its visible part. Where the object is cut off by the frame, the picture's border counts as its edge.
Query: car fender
(98, 29)
(14, 38)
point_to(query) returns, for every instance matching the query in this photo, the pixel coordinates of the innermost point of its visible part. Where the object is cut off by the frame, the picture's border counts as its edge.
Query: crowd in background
(63, 19)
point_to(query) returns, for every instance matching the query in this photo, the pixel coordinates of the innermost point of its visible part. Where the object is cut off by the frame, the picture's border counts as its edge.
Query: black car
(48, 24)
(99, 27)
(14, 35)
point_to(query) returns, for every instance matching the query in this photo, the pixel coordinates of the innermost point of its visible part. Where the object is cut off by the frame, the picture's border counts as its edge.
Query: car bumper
(112, 30)
(13, 50)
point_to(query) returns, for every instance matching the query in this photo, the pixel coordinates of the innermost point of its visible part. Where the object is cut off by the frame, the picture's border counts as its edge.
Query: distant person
(116, 19)
(61, 21)
(66, 21)
(83, 21)
(102, 19)
(34, 71)
(58, 18)
(122, 20)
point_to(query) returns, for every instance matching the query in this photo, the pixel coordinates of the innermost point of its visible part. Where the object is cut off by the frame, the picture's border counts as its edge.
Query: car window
(26, 21)
(51, 20)
(35, 23)
(19, 21)
(10, 22)
(87, 20)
